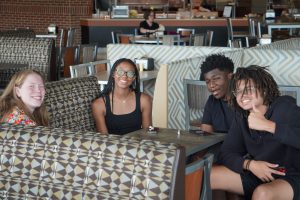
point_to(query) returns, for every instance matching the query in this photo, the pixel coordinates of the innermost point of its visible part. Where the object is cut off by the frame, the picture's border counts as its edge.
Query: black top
(282, 147)
(145, 25)
(126, 123)
(218, 114)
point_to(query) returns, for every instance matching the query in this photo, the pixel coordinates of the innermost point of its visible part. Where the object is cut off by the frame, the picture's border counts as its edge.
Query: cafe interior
(75, 44)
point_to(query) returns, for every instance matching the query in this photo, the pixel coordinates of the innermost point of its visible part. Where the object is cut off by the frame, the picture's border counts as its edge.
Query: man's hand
(257, 121)
(264, 170)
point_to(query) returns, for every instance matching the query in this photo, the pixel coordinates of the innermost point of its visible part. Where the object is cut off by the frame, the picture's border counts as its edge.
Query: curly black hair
(263, 82)
(216, 61)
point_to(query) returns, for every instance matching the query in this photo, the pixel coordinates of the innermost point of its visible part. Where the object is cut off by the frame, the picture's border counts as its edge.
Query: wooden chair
(195, 97)
(186, 32)
(87, 69)
(66, 55)
(293, 91)
(197, 179)
(67, 58)
(125, 38)
(169, 40)
(236, 43)
(114, 36)
(232, 35)
(86, 53)
(253, 33)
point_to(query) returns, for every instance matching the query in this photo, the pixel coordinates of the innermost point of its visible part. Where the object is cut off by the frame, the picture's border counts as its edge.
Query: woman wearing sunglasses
(261, 153)
(122, 108)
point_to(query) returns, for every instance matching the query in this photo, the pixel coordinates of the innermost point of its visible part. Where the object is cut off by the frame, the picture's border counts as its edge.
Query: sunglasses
(129, 74)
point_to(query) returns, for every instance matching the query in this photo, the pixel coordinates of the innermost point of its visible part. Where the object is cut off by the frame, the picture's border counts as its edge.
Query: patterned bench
(69, 103)
(22, 32)
(47, 163)
(36, 53)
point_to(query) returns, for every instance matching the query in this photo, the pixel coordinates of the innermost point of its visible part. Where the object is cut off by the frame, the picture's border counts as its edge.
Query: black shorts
(250, 182)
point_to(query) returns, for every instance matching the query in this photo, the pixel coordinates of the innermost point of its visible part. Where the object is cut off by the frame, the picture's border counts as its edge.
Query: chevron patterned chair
(195, 97)
(46, 163)
(293, 91)
(69, 103)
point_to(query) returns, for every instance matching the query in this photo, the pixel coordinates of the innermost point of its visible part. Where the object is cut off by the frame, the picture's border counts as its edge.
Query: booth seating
(35, 53)
(69, 103)
(58, 163)
(19, 32)
(47, 163)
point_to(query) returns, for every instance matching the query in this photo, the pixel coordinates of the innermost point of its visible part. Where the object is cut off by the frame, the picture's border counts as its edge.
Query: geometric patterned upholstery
(7, 70)
(22, 32)
(69, 103)
(46, 163)
(35, 52)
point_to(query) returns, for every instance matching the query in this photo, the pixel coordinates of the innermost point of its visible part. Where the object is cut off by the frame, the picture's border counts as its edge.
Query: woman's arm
(146, 109)
(143, 27)
(202, 9)
(98, 110)
(143, 30)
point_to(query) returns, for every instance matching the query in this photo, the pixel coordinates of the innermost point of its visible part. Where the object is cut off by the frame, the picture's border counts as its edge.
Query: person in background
(217, 71)
(148, 26)
(122, 108)
(266, 128)
(22, 100)
(201, 6)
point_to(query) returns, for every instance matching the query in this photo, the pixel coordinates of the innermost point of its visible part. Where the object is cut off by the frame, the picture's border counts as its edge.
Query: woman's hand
(264, 170)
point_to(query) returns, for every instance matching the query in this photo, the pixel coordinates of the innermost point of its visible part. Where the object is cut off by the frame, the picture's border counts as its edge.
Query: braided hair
(262, 80)
(109, 87)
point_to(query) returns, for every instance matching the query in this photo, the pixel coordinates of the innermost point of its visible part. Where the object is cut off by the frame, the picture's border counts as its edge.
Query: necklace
(125, 99)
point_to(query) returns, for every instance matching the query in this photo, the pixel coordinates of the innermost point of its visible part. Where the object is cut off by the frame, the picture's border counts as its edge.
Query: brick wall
(39, 14)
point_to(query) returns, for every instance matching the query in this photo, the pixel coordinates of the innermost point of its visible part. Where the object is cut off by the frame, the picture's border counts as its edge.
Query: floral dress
(18, 116)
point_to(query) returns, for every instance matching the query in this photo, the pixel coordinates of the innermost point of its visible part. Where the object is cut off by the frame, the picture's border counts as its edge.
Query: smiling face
(217, 82)
(123, 75)
(248, 95)
(31, 92)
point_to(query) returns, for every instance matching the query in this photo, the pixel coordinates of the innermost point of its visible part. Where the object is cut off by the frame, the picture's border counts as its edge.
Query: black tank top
(125, 123)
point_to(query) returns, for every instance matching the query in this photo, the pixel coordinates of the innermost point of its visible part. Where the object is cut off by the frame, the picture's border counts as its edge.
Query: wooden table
(144, 76)
(283, 23)
(193, 143)
(141, 39)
